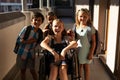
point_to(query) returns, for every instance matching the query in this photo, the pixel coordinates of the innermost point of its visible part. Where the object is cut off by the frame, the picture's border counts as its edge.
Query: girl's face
(57, 27)
(83, 17)
(37, 22)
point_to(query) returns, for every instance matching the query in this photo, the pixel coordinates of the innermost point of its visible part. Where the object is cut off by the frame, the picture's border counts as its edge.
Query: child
(58, 49)
(50, 17)
(86, 40)
(25, 54)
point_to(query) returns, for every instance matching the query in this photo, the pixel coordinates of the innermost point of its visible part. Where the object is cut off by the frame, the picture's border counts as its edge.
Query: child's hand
(71, 34)
(56, 56)
(62, 55)
(90, 56)
(45, 30)
(23, 56)
(31, 40)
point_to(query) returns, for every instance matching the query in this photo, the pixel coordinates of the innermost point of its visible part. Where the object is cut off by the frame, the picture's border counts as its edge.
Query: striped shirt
(27, 49)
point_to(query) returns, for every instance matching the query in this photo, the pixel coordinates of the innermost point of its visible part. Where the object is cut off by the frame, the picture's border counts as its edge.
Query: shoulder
(27, 28)
(49, 37)
(91, 29)
(66, 39)
(47, 26)
(74, 25)
(23, 29)
(39, 30)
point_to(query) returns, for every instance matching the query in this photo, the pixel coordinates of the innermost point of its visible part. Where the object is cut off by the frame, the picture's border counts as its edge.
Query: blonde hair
(64, 33)
(86, 11)
(59, 21)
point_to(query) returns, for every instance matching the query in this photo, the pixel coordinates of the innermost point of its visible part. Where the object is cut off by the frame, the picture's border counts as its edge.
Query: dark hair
(37, 14)
(51, 14)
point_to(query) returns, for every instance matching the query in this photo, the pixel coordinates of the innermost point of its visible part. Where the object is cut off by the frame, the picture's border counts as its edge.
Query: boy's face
(50, 19)
(37, 22)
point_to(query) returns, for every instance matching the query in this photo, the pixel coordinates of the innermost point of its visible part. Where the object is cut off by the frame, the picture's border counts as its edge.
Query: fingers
(89, 57)
(56, 57)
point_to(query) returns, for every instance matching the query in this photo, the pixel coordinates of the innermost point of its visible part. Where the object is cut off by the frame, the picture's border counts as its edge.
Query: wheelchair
(73, 66)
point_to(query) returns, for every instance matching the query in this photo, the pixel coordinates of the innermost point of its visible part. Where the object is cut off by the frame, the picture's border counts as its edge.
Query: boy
(50, 17)
(25, 54)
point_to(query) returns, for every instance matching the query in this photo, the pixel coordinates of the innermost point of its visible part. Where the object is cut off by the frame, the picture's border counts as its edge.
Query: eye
(83, 16)
(35, 19)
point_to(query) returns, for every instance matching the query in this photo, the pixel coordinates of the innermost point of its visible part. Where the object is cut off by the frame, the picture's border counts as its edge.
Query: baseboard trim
(107, 69)
(12, 73)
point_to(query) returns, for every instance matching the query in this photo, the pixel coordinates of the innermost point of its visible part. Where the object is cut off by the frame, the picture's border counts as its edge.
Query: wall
(9, 29)
(112, 34)
(81, 4)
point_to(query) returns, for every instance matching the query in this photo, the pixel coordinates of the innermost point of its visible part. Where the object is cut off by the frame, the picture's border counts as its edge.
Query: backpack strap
(52, 42)
(89, 34)
(27, 32)
(17, 45)
(74, 30)
(40, 35)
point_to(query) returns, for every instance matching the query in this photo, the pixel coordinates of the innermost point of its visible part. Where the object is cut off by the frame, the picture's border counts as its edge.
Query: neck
(58, 38)
(81, 25)
(35, 29)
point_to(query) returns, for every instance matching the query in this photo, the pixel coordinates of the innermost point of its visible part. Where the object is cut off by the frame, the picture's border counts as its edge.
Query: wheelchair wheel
(42, 75)
(75, 64)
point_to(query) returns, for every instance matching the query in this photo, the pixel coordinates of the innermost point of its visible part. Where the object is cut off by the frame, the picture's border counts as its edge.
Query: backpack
(89, 35)
(26, 35)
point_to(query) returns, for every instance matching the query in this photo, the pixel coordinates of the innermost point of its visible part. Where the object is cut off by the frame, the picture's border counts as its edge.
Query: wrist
(64, 50)
(52, 51)
(23, 41)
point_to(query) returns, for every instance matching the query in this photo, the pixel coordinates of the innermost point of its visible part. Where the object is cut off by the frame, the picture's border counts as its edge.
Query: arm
(93, 45)
(29, 41)
(72, 44)
(71, 35)
(46, 28)
(21, 37)
(45, 45)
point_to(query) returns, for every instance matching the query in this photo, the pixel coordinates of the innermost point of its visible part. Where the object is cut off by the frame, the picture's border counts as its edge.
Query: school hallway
(97, 68)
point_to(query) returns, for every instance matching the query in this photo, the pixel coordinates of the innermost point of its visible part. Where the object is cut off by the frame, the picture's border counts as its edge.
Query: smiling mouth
(57, 31)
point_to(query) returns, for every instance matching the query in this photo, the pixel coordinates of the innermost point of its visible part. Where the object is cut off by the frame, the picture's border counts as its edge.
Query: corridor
(105, 15)
(97, 69)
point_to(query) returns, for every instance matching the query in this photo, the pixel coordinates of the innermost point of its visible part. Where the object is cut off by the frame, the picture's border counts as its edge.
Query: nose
(57, 27)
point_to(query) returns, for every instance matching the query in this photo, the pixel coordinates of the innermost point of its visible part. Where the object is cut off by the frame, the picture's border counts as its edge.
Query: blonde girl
(57, 46)
(86, 41)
